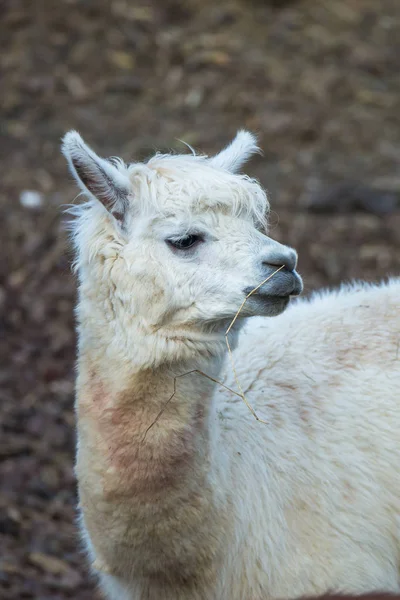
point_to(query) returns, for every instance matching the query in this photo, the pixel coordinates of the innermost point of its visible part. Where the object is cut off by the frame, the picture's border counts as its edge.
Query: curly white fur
(208, 503)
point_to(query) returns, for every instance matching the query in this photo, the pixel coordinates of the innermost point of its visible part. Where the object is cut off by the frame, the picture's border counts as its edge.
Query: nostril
(287, 259)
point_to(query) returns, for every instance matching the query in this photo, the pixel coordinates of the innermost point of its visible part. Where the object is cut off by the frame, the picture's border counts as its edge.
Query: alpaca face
(185, 237)
(199, 271)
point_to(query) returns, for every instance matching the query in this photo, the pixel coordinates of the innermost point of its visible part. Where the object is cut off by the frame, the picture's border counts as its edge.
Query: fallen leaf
(48, 563)
(122, 60)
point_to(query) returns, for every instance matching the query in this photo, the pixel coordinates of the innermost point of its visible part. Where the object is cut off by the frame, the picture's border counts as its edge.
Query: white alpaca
(210, 504)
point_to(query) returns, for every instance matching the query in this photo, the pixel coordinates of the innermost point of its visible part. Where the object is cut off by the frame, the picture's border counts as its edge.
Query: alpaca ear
(239, 150)
(97, 176)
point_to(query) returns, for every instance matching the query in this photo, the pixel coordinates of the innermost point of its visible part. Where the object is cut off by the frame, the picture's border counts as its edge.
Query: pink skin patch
(130, 462)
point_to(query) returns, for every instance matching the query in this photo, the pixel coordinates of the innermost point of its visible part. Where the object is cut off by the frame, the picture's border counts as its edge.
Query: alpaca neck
(147, 458)
(151, 425)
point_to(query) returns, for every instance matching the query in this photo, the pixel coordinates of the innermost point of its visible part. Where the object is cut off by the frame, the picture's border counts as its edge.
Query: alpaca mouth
(284, 286)
(292, 291)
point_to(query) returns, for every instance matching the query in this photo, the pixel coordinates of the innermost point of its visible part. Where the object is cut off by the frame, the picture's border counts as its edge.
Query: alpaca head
(181, 239)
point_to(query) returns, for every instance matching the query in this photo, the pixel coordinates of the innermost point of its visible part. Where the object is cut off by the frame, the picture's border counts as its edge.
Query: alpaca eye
(186, 242)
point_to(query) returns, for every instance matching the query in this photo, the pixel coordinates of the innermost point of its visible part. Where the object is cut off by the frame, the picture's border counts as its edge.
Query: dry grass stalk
(241, 393)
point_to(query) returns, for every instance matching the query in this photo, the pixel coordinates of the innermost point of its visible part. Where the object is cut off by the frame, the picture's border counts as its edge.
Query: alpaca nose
(281, 256)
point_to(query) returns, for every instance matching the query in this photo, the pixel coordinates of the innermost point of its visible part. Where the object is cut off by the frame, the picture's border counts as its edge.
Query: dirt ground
(319, 81)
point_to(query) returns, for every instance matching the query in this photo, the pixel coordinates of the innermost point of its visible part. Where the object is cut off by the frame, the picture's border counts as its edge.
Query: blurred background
(318, 80)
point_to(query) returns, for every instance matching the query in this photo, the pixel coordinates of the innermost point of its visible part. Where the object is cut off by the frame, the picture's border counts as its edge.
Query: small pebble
(31, 199)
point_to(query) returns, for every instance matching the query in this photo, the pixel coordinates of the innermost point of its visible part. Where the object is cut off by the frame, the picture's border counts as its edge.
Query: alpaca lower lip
(266, 305)
(269, 299)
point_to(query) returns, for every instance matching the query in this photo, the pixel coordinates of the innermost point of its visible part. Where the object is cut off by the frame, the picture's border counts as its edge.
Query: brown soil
(320, 83)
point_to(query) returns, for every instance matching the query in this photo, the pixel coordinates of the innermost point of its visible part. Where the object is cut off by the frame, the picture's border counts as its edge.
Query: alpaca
(187, 496)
